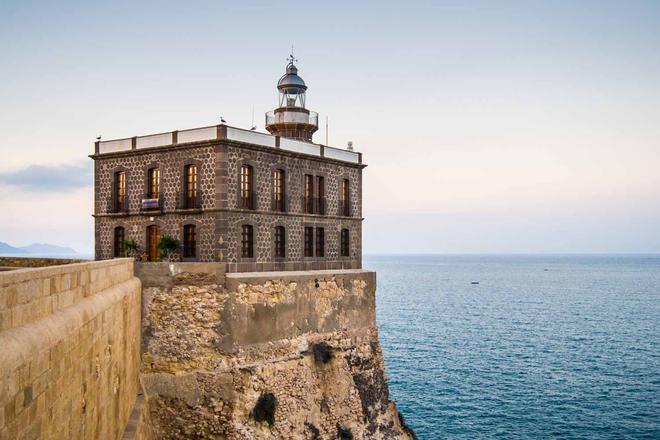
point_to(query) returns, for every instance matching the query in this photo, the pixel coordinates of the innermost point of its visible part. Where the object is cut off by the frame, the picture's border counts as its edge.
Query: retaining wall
(69, 350)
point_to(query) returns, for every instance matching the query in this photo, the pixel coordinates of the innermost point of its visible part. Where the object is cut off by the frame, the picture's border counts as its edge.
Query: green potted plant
(130, 248)
(168, 247)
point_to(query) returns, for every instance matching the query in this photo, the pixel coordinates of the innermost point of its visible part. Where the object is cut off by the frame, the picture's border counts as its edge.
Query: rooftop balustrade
(292, 117)
(218, 132)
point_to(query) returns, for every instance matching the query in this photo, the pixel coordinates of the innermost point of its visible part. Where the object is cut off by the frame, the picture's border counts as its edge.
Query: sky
(488, 126)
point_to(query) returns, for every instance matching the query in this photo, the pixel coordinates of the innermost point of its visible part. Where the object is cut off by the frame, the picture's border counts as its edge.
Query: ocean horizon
(552, 345)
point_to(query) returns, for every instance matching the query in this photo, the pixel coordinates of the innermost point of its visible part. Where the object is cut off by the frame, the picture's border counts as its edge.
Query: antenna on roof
(326, 130)
(252, 124)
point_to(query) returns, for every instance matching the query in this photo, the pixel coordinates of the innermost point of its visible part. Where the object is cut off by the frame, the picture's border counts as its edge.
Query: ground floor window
(280, 245)
(119, 242)
(309, 241)
(247, 241)
(189, 241)
(345, 244)
(320, 242)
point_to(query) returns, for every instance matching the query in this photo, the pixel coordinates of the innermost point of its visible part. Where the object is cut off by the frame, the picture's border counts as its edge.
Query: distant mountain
(45, 249)
(8, 249)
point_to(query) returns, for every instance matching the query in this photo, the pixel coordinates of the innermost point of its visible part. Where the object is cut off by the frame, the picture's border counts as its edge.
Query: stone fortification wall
(268, 355)
(7, 263)
(69, 350)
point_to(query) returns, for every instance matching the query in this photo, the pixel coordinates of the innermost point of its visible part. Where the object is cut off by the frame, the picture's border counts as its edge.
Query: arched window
(119, 242)
(345, 243)
(247, 241)
(153, 183)
(153, 237)
(190, 187)
(279, 183)
(345, 198)
(247, 187)
(119, 202)
(280, 241)
(189, 241)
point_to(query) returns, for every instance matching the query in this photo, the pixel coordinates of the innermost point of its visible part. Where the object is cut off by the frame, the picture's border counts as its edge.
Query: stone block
(5, 320)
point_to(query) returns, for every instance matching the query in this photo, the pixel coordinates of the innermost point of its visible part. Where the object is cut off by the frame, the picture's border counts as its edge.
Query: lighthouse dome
(291, 82)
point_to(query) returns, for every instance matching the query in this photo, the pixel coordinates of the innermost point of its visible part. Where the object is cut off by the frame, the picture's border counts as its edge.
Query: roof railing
(218, 132)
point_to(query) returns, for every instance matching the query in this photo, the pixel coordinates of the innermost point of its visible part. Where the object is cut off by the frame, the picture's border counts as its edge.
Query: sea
(560, 346)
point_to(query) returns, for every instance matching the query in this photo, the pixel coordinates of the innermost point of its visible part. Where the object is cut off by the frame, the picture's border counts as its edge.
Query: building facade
(255, 201)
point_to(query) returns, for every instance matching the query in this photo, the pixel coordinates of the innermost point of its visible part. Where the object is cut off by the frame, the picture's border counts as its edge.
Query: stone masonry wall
(69, 350)
(219, 221)
(272, 355)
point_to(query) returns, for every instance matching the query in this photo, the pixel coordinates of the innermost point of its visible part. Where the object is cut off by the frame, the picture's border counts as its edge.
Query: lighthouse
(291, 119)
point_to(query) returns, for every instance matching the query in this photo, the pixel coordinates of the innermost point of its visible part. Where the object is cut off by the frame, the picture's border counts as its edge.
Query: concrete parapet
(165, 274)
(265, 307)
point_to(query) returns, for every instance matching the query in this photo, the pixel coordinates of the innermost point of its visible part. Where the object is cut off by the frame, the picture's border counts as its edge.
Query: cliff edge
(263, 355)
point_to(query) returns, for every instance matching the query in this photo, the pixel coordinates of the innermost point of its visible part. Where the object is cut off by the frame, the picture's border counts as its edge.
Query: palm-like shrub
(168, 246)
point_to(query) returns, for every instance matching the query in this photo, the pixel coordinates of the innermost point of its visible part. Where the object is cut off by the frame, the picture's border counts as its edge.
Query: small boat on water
(475, 282)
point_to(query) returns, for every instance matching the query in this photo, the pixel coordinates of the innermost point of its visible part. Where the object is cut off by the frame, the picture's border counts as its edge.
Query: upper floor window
(247, 241)
(309, 241)
(247, 187)
(153, 183)
(190, 183)
(119, 242)
(320, 242)
(320, 195)
(120, 202)
(280, 245)
(345, 243)
(309, 194)
(345, 198)
(189, 241)
(279, 190)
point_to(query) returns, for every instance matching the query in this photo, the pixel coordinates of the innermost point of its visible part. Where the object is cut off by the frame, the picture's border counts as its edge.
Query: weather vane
(291, 58)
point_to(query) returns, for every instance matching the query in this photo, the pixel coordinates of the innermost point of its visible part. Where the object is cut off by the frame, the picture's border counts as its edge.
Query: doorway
(153, 236)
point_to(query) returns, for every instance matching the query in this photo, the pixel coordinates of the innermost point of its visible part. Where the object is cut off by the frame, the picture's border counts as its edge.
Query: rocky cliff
(264, 355)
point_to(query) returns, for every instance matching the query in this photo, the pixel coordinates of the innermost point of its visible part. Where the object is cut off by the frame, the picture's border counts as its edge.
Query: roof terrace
(218, 132)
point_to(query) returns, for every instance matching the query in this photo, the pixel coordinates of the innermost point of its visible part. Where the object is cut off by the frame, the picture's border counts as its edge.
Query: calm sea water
(542, 347)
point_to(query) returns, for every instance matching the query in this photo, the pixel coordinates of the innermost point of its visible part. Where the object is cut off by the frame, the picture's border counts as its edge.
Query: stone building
(255, 201)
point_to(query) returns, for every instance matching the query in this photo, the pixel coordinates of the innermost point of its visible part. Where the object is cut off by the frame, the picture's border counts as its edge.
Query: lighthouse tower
(291, 119)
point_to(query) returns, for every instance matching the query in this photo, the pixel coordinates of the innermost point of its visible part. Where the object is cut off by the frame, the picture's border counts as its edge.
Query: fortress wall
(69, 350)
(306, 341)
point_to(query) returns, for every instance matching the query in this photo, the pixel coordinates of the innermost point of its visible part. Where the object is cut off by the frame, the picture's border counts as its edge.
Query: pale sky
(488, 127)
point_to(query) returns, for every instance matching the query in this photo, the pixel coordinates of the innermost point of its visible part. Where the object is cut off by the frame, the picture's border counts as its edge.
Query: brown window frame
(319, 244)
(190, 241)
(246, 185)
(119, 185)
(191, 186)
(153, 182)
(280, 242)
(118, 250)
(308, 240)
(152, 248)
(309, 194)
(247, 241)
(345, 243)
(279, 190)
(320, 195)
(345, 198)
